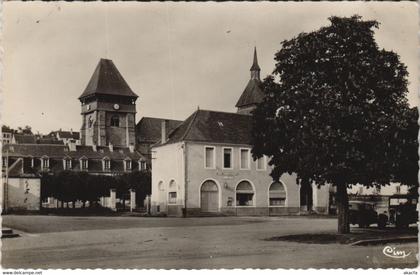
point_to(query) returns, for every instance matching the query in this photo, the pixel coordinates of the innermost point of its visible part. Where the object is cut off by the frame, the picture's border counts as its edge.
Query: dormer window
(127, 164)
(45, 163)
(83, 164)
(32, 161)
(67, 164)
(106, 164)
(142, 165)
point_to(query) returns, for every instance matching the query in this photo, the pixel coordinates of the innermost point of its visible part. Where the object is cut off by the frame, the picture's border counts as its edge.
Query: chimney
(131, 148)
(163, 131)
(111, 147)
(72, 146)
(71, 131)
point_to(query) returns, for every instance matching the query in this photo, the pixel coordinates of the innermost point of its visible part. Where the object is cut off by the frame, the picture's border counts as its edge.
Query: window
(160, 186)
(261, 163)
(67, 164)
(83, 164)
(172, 198)
(244, 194)
(90, 122)
(142, 165)
(106, 164)
(244, 158)
(127, 164)
(45, 163)
(209, 157)
(277, 194)
(115, 121)
(227, 158)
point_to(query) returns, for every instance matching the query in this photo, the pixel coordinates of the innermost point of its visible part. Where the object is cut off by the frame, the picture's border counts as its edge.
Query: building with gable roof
(205, 166)
(108, 141)
(65, 136)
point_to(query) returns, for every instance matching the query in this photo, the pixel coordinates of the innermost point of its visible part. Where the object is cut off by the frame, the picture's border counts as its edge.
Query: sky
(175, 56)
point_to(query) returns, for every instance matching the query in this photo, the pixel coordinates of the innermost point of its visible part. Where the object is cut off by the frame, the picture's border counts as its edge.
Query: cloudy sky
(174, 56)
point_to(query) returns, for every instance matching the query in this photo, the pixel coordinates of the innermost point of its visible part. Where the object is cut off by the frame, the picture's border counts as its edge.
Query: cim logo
(394, 253)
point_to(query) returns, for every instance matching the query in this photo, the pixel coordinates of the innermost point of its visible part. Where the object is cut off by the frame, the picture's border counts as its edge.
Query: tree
(332, 108)
(141, 182)
(407, 167)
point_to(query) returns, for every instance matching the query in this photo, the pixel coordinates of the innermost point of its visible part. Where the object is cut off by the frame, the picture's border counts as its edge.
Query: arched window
(277, 194)
(115, 121)
(244, 194)
(160, 186)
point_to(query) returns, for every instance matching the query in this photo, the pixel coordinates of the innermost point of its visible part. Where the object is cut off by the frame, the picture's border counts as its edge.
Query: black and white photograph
(209, 135)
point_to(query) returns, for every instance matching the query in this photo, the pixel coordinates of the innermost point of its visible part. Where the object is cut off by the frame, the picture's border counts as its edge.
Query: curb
(386, 240)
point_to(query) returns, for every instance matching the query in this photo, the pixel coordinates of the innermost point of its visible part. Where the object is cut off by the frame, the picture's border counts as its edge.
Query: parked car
(404, 209)
(362, 213)
(383, 220)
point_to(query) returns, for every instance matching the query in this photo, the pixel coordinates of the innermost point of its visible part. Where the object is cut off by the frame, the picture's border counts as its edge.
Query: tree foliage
(338, 104)
(334, 106)
(70, 186)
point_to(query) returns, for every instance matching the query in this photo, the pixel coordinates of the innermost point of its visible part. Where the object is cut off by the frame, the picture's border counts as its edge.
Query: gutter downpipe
(6, 189)
(184, 145)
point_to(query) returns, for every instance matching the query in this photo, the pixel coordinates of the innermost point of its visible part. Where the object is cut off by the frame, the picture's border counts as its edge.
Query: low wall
(176, 211)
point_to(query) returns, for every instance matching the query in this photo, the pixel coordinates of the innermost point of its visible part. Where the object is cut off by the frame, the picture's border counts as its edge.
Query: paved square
(212, 242)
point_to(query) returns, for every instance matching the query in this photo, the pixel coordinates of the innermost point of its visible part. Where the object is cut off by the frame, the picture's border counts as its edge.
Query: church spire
(255, 68)
(252, 95)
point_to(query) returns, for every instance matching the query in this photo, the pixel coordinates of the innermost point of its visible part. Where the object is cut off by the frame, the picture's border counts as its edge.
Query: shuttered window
(209, 157)
(244, 158)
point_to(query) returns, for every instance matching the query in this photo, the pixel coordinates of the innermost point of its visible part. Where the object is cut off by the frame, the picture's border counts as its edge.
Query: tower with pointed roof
(108, 108)
(252, 95)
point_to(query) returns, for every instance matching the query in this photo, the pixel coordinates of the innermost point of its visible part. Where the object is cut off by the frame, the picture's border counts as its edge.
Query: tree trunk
(62, 204)
(74, 204)
(83, 204)
(342, 200)
(67, 204)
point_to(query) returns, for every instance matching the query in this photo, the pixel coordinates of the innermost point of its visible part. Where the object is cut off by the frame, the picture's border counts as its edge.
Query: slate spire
(255, 68)
(252, 95)
(107, 80)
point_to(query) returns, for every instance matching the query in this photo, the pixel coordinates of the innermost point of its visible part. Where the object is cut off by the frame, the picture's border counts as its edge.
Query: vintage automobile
(402, 209)
(362, 213)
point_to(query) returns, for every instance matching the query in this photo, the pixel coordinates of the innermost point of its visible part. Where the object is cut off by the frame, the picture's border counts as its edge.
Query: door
(209, 197)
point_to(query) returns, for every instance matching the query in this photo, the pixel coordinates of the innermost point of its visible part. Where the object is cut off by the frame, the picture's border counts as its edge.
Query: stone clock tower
(108, 108)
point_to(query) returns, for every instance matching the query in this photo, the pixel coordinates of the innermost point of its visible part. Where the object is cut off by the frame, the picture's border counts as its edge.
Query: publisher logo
(394, 253)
